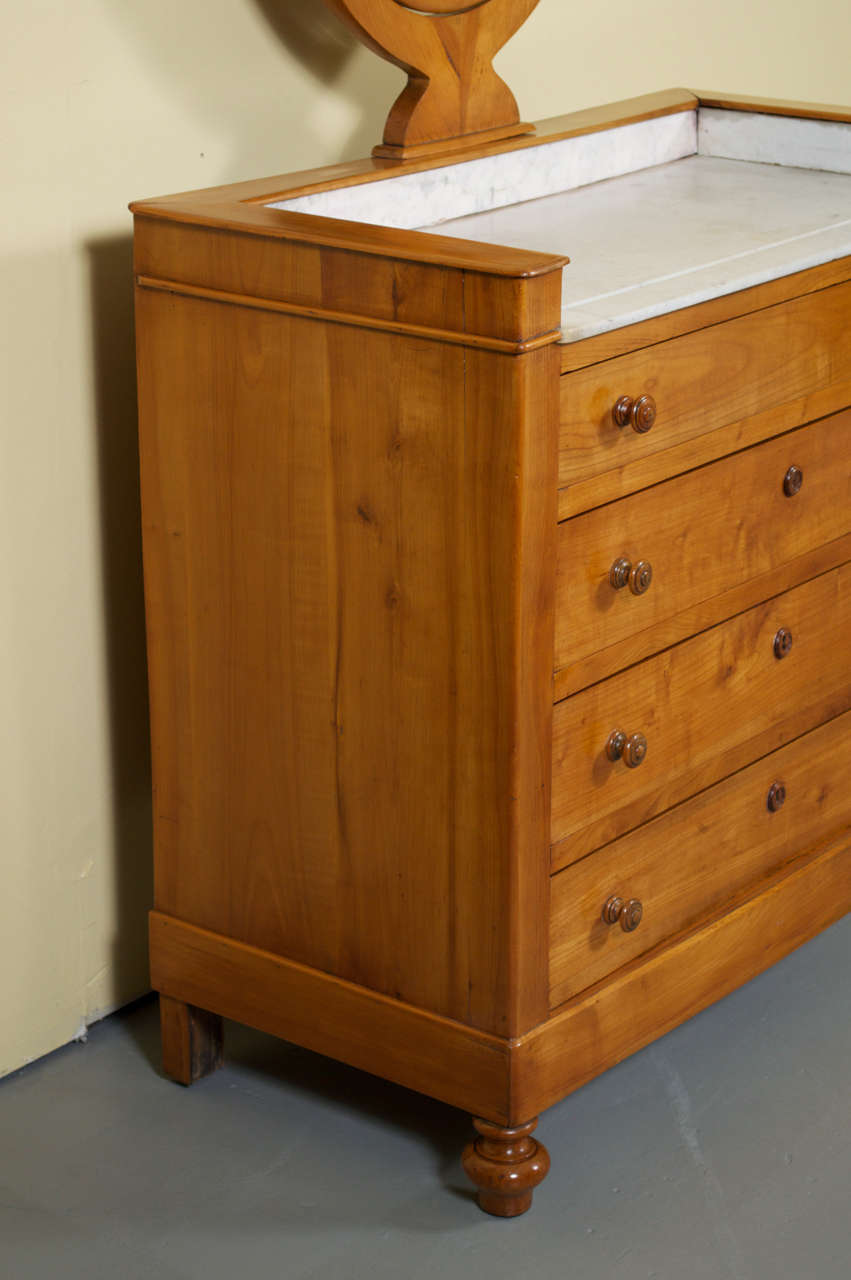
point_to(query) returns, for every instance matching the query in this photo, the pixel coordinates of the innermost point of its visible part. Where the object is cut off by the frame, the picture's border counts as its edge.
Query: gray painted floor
(722, 1151)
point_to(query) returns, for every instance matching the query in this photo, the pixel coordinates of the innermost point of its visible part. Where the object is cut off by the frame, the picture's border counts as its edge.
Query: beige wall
(103, 101)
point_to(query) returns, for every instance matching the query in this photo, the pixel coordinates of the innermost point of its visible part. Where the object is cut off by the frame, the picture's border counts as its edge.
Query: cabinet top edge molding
(368, 169)
(283, 207)
(241, 197)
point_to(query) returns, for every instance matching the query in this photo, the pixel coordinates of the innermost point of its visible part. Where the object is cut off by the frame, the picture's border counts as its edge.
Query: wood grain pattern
(723, 375)
(351, 237)
(397, 560)
(611, 658)
(349, 318)
(773, 106)
(192, 1041)
(504, 1080)
(655, 994)
(705, 533)
(707, 707)
(433, 1055)
(700, 450)
(689, 862)
(646, 333)
(506, 1164)
(447, 48)
(363, 287)
(350, 473)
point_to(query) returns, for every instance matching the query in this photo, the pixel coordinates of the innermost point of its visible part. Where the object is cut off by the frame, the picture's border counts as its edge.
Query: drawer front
(726, 374)
(706, 708)
(703, 534)
(696, 857)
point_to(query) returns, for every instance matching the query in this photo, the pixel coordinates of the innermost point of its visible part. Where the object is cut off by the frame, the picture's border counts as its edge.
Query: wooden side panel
(433, 1055)
(533, 560)
(339, 539)
(650, 997)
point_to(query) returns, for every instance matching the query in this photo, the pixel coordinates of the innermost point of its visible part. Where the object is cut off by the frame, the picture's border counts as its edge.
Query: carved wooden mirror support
(453, 97)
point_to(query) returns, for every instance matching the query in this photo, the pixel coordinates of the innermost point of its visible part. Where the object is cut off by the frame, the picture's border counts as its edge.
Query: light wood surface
(313, 279)
(447, 48)
(699, 450)
(697, 856)
(322, 541)
(773, 106)
(650, 997)
(707, 707)
(355, 445)
(504, 1080)
(705, 533)
(353, 320)
(726, 374)
(611, 658)
(350, 237)
(646, 333)
(433, 1055)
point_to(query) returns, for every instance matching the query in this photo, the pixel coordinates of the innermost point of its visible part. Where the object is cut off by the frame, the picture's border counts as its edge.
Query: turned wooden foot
(506, 1165)
(191, 1041)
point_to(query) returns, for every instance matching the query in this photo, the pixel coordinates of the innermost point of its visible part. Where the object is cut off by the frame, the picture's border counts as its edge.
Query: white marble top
(432, 196)
(654, 215)
(665, 237)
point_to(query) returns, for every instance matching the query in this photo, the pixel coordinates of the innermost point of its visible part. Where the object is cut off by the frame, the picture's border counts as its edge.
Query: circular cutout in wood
(441, 8)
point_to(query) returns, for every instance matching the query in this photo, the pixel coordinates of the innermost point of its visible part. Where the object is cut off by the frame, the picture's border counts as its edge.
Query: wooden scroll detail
(453, 99)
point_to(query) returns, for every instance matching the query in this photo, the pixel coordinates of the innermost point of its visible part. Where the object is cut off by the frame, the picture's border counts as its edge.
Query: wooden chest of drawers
(492, 736)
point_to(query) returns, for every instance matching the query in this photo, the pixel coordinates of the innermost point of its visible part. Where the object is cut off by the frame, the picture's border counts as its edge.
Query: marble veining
(654, 216)
(492, 182)
(664, 238)
(748, 135)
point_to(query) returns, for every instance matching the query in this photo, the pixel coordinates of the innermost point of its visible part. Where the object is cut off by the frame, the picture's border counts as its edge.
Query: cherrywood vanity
(498, 580)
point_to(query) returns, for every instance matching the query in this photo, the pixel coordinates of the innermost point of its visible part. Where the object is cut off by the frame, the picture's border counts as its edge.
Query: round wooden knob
(636, 576)
(776, 796)
(640, 577)
(631, 748)
(639, 414)
(628, 912)
(619, 573)
(792, 481)
(782, 643)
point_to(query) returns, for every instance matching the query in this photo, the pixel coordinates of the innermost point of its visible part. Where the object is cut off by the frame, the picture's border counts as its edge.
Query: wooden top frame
(453, 99)
(243, 208)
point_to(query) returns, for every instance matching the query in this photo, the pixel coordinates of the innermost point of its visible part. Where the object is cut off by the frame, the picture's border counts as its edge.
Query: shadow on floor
(442, 1128)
